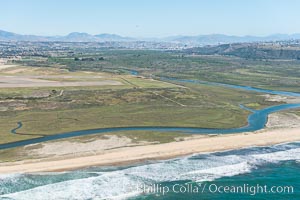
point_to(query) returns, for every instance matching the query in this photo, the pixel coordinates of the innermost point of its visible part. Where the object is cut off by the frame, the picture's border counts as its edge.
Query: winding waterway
(256, 120)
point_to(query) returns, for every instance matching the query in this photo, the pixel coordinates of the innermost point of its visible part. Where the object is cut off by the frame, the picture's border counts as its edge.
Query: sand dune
(158, 151)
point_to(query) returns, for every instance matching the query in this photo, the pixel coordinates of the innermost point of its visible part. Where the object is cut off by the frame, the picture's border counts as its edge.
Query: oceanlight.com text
(213, 188)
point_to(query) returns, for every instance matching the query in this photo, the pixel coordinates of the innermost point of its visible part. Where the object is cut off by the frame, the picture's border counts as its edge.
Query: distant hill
(113, 37)
(77, 37)
(200, 40)
(6, 36)
(216, 39)
(72, 37)
(270, 50)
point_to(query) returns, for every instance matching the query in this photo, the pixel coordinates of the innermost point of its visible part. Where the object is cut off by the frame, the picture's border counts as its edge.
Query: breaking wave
(121, 183)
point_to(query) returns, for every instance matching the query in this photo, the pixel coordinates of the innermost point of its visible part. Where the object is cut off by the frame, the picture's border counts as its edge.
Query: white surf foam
(108, 186)
(218, 172)
(9, 176)
(291, 154)
(122, 183)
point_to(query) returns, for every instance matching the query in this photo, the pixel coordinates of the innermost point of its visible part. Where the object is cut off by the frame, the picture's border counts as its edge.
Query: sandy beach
(125, 155)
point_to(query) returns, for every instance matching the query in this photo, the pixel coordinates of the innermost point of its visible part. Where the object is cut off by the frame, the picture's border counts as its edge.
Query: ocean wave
(109, 186)
(292, 154)
(123, 182)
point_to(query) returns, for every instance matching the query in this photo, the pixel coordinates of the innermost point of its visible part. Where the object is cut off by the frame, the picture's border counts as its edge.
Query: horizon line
(178, 35)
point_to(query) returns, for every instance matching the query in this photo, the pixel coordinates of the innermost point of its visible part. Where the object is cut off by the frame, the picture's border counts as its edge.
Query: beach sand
(126, 155)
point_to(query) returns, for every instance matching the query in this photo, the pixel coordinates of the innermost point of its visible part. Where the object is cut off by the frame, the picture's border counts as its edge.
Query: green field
(268, 74)
(142, 100)
(88, 108)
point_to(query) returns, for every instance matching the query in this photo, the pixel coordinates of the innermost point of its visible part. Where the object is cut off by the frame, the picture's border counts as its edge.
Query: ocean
(271, 172)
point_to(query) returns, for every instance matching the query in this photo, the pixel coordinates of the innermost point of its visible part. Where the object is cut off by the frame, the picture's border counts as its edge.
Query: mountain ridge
(210, 39)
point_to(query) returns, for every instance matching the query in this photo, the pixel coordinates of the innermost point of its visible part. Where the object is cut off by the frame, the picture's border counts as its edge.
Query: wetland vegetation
(142, 100)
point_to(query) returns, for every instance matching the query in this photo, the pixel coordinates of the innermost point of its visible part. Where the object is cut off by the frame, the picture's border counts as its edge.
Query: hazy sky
(150, 18)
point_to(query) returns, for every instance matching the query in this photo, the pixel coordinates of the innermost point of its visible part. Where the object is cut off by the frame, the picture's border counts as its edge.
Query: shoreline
(138, 154)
